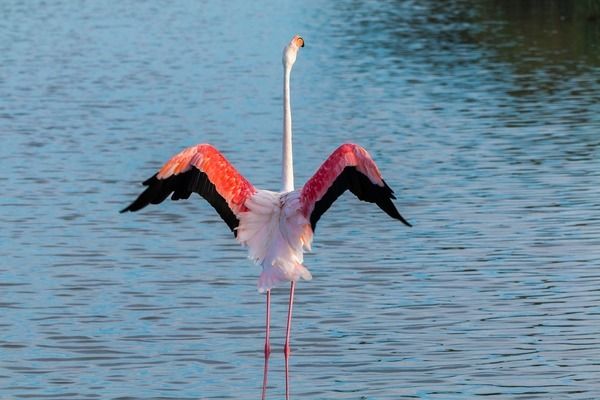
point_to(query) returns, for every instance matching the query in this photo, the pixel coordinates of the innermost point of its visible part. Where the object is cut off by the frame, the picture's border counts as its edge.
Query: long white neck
(287, 170)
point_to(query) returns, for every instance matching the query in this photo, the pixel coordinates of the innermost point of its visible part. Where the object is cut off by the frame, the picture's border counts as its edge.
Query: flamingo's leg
(267, 347)
(268, 326)
(286, 347)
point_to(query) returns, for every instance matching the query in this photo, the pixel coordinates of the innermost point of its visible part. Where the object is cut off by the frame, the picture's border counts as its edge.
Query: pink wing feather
(204, 170)
(230, 184)
(349, 167)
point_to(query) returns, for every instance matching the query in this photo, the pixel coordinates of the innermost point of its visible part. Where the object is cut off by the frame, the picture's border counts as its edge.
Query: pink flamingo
(277, 227)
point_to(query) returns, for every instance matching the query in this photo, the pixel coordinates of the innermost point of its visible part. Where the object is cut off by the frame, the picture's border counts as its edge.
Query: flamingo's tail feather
(274, 275)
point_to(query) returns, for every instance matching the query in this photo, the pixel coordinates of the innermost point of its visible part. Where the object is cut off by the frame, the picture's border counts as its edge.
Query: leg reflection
(287, 378)
(265, 374)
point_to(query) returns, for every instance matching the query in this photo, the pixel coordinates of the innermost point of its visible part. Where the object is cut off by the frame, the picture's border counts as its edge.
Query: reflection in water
(265, 377)
(532, 48)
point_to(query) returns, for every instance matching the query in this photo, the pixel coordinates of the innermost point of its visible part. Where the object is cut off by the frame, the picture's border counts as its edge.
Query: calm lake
(484, 117)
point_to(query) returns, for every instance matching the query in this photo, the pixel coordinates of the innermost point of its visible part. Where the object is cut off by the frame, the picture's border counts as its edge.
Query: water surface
(485, 119)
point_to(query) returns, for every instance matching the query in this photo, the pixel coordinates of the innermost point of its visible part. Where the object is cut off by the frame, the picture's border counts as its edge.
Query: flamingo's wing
(204, 170)
(349, 167)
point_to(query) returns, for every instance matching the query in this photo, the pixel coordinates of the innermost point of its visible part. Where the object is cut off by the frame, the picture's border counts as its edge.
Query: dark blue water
(485, 119)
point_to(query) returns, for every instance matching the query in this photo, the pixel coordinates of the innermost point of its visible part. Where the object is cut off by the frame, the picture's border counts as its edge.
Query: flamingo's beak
(299, 41)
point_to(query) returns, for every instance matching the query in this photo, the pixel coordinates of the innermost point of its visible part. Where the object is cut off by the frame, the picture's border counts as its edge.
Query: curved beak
(299, 41)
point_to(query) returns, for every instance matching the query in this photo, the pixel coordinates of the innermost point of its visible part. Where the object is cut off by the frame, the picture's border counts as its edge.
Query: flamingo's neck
(287, 171)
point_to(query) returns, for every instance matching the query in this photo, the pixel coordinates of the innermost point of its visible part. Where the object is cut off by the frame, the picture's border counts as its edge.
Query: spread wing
(204, 170)
(349, 167)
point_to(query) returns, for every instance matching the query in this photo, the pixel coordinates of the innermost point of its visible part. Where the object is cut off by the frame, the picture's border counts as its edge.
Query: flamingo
(276, 227)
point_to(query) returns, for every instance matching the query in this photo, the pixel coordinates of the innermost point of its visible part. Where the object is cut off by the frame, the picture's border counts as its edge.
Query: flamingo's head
(291, 50)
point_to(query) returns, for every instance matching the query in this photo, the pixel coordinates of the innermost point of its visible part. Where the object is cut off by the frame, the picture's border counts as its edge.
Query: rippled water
(484, 118)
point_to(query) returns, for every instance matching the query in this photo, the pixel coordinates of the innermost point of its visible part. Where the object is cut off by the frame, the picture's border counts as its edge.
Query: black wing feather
(181, 186)
(362, 187)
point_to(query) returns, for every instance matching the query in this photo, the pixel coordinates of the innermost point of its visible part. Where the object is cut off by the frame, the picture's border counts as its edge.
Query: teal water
(485, 120)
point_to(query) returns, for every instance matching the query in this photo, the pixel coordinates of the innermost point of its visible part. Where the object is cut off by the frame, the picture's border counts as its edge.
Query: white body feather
(276, 234)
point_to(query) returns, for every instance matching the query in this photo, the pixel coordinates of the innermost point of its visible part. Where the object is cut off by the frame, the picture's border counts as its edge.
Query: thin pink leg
(286, 347)
(268, 324)
(267, 347)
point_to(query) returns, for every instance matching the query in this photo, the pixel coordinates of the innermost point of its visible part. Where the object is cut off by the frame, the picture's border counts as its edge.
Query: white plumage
(276, 234)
